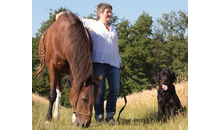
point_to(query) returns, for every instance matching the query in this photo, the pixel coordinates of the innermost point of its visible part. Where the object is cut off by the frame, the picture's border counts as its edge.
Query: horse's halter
(74, 110)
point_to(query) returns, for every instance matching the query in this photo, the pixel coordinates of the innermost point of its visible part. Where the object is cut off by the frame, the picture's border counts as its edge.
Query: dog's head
(164, 78)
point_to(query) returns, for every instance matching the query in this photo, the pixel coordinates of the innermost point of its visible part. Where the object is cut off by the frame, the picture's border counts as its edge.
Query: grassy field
(139, 114)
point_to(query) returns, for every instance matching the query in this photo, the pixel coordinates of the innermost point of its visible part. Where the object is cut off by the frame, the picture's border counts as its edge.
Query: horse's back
(62, 39)
(56, 43)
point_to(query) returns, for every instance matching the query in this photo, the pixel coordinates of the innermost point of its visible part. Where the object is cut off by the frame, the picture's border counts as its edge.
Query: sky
(128, 9)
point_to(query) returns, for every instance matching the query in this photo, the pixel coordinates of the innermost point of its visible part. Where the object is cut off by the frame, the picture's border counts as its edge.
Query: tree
(169, 35)
(182, 24)
(52, 19)
(123, 31)
(134, 47)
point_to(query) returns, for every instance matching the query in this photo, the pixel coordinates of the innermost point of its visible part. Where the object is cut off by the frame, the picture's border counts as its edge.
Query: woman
(105, 58)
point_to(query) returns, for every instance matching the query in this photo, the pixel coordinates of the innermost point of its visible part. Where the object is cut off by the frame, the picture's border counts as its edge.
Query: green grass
(136, 116)
(139, 114)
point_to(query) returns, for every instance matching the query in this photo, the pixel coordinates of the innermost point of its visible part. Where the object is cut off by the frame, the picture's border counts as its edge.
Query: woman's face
(106, 15)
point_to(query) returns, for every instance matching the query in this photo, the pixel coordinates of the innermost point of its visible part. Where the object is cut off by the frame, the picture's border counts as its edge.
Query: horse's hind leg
(52, 94)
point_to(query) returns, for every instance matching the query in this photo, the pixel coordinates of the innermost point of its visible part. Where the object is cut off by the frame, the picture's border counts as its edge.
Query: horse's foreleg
(52, 94)
(72, 102)
(74, 119)
(56, 113)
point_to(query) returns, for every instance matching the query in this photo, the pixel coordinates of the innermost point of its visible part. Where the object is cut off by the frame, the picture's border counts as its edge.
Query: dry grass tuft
(38, 99)
(148, 97)
(182, 92)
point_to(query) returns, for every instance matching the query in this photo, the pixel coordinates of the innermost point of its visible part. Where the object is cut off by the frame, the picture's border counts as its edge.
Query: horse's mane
(81, 62)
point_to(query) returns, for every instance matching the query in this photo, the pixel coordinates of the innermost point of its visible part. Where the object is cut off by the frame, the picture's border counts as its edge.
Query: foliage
(144, 47)
(136, 51)
(64, 101)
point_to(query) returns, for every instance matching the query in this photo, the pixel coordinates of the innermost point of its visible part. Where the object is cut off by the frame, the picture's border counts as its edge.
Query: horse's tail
(39, 71)
(42, 61)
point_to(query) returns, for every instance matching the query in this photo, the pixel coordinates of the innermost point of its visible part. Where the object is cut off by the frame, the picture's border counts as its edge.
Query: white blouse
(105, 43)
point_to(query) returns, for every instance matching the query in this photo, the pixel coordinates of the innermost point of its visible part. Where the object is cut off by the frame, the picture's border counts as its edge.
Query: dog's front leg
(170, 110)
(170, 107)
(161, 112)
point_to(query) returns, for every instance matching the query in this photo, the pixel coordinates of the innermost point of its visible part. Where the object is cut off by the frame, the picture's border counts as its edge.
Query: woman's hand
(58, 15)
(120, 65)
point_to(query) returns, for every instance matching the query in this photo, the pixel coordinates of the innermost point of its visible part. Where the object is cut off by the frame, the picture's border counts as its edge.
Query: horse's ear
(98, 79)
(88, 81)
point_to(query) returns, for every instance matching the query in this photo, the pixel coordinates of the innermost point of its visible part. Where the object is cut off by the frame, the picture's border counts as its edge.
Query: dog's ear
(156, 76)
(173, 76)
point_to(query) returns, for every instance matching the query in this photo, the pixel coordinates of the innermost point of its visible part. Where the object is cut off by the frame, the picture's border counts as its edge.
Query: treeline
(144, 47)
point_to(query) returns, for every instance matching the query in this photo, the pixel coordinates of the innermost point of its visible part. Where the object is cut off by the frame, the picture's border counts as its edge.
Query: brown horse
(65, 48)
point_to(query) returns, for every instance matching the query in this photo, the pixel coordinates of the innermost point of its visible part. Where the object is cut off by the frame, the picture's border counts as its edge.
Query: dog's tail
(182, 110)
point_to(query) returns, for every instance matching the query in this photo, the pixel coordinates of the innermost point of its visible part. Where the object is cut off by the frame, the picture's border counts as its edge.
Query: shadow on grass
(151, 117)
(148, 118)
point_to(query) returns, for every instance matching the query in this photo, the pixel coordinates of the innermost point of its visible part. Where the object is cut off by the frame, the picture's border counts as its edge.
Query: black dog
(168, 101)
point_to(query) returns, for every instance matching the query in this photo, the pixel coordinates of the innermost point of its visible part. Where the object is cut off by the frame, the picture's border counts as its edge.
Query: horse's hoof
(73, 118)
(47, 122)
(57, 117)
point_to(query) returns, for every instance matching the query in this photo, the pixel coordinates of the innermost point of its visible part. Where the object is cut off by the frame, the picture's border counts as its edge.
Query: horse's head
(85, 101)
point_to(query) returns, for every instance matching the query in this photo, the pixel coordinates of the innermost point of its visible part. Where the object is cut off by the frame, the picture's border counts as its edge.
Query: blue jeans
(112, 74)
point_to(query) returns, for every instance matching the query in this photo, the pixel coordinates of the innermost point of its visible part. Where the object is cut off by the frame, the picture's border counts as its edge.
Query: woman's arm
(58, 15)
(86, 22)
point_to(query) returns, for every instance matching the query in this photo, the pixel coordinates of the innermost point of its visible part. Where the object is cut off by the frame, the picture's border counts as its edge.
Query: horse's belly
(63, 67)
